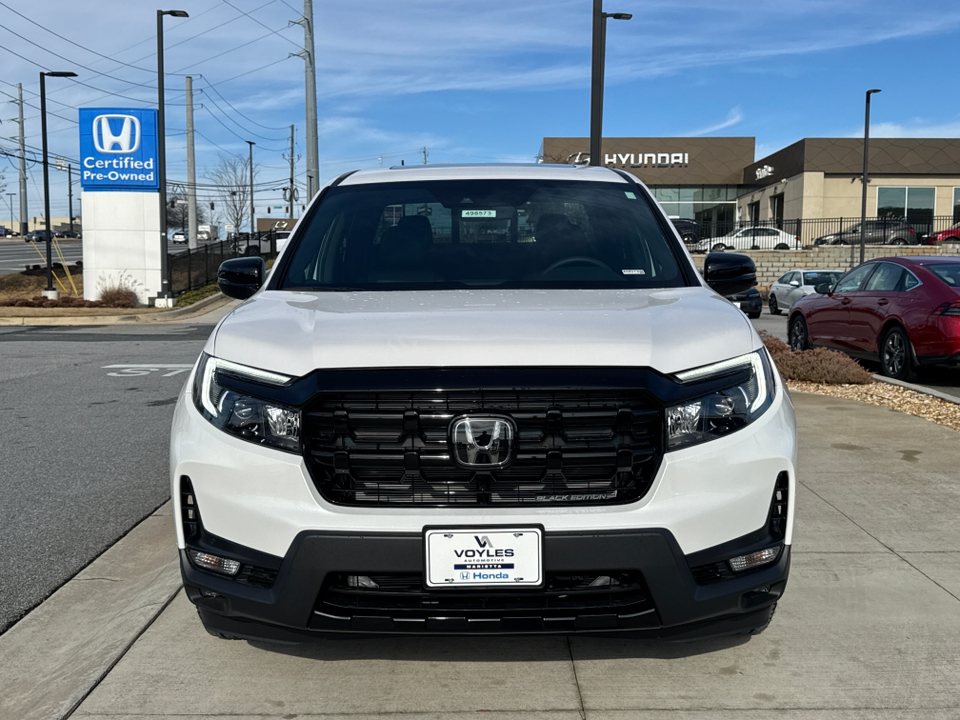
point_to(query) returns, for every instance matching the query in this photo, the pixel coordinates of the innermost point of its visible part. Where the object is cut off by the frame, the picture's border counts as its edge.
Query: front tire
(781, 246)
(718, 247)
(898, 241)
(895, 354)
(773, 305)
(799, 337)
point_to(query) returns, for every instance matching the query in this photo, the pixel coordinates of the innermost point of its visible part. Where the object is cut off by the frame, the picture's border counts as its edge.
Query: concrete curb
(918, 389)
(157, 317)
(66, 645)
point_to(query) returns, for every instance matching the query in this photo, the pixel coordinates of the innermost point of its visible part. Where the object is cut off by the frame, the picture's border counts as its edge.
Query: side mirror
(729, 273)
(822, 288)
(795, 283)
(241, 277)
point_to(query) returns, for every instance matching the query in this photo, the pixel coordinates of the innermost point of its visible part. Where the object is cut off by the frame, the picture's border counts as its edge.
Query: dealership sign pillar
(121, 212)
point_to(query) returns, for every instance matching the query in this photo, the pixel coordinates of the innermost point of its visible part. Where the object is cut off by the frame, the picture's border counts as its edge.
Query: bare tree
(178, 211)
(232, 178)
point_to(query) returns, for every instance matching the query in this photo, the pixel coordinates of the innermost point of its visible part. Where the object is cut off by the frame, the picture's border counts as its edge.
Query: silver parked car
(793, 285)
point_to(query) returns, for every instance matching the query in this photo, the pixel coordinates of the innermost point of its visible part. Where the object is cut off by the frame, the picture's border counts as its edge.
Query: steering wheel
(577, 260)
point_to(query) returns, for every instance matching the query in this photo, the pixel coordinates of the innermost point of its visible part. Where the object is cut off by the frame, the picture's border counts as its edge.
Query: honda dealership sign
(118, 149)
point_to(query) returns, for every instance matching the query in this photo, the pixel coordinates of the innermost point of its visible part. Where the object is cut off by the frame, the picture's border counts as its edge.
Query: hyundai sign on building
(119, 175)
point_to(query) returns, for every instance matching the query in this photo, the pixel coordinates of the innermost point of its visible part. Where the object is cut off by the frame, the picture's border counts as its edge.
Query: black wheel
(898, 241)
(753, 315)
(841, 242)
(799, 339)
(718, 247)
(951, 240)
(781, 246)
(772, 304)
(895, 354)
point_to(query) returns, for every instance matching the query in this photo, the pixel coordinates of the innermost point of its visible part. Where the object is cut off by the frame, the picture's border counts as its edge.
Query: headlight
(244, 416)
(723, 411)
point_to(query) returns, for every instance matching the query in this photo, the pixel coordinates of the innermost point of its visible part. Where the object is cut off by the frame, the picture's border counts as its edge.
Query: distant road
(15, 254)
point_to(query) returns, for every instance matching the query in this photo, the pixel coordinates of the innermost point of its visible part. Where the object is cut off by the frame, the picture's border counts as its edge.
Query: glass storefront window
(915, 204)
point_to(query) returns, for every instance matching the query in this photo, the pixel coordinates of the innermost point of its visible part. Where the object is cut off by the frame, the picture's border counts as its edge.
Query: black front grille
(573, 447)
(569, 601)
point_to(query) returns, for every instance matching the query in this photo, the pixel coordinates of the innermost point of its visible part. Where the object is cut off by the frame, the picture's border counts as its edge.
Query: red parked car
(950, 235)
(900, 311)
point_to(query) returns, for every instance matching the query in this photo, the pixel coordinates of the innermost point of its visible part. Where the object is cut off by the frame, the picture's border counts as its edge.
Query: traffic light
(211, 206)
(268, 209)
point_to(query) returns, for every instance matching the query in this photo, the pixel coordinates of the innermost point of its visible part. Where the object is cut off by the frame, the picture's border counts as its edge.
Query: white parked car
(179, 237)
(438, 414)
(751, 238)
(793, 285)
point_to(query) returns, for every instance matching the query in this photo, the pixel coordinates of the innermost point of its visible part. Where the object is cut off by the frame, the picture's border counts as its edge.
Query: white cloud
(733, 118)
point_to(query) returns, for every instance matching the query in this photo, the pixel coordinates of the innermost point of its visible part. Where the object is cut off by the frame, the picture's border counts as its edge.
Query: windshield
(483, 234)
(823, 276)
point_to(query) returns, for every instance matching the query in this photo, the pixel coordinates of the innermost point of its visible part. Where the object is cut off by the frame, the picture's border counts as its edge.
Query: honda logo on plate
(116, 133)
(483, 442)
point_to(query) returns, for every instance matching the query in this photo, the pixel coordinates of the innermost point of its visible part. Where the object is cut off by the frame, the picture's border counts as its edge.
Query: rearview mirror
(241, 277)
(729, 273)
(822, 288)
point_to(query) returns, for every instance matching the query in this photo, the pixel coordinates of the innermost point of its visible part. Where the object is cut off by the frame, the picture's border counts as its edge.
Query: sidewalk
(869, 625)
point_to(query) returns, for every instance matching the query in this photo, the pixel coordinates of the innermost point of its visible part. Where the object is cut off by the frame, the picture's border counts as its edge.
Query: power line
(82, 47)
(275, 32)
(266, 127)
(230, 118)
(66, 59)
(231, 131)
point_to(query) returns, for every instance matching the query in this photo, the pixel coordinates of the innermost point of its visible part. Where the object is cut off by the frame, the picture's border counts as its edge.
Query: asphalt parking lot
(869, 626)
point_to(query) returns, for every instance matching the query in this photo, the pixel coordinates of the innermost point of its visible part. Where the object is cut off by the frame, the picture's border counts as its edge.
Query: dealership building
(717, 181)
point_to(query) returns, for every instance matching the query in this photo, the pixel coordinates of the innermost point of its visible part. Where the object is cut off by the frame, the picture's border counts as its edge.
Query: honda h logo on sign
(119, 149)
(482, 441)
(122, 135)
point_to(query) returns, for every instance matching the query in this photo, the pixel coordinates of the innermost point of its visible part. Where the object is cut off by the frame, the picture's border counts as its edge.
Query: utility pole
(310, 78)
(425, 153)
(191, 173)
(23, 165)
(291, 195)
(70, 194)
(251, 143)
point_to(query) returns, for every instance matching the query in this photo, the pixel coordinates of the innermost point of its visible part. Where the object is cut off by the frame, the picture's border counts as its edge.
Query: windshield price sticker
(478, 213)
(484, 557)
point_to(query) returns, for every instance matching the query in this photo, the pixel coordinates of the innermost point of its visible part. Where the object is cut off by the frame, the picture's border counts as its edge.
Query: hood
(668, 329)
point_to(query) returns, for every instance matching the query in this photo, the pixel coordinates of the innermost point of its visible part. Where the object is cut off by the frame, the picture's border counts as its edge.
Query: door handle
(883, 301)
(845, 301)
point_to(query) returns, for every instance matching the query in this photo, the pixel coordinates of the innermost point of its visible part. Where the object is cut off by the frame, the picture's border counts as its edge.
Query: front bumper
(668, 602)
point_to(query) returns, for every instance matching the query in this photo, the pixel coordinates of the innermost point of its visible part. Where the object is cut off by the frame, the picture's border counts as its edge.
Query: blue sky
(477, 82)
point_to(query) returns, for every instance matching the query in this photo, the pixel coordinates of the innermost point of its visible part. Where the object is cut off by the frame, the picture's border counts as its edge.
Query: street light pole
(597, 74)
(865, 179)
(163, 295)
(251, 143)
(10, 197)
(50, 292)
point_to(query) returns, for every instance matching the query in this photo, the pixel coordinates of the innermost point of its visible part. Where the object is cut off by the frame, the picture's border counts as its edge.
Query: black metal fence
(191, 269)
(798, 234)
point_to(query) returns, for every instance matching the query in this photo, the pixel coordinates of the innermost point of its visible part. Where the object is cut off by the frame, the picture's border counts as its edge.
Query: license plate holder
(483, 557)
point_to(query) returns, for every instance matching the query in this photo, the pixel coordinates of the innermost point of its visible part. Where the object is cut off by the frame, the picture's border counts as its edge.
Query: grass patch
(820, 365)
(197, 294)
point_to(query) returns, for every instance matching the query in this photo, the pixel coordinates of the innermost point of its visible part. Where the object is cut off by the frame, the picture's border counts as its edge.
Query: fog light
(756, 559)
(361, 581)
(213, 562)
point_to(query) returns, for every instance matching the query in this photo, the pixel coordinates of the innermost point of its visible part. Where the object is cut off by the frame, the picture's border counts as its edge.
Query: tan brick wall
(771, 264)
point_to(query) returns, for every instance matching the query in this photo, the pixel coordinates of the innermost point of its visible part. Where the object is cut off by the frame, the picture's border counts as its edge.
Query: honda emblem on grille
(483, 441)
